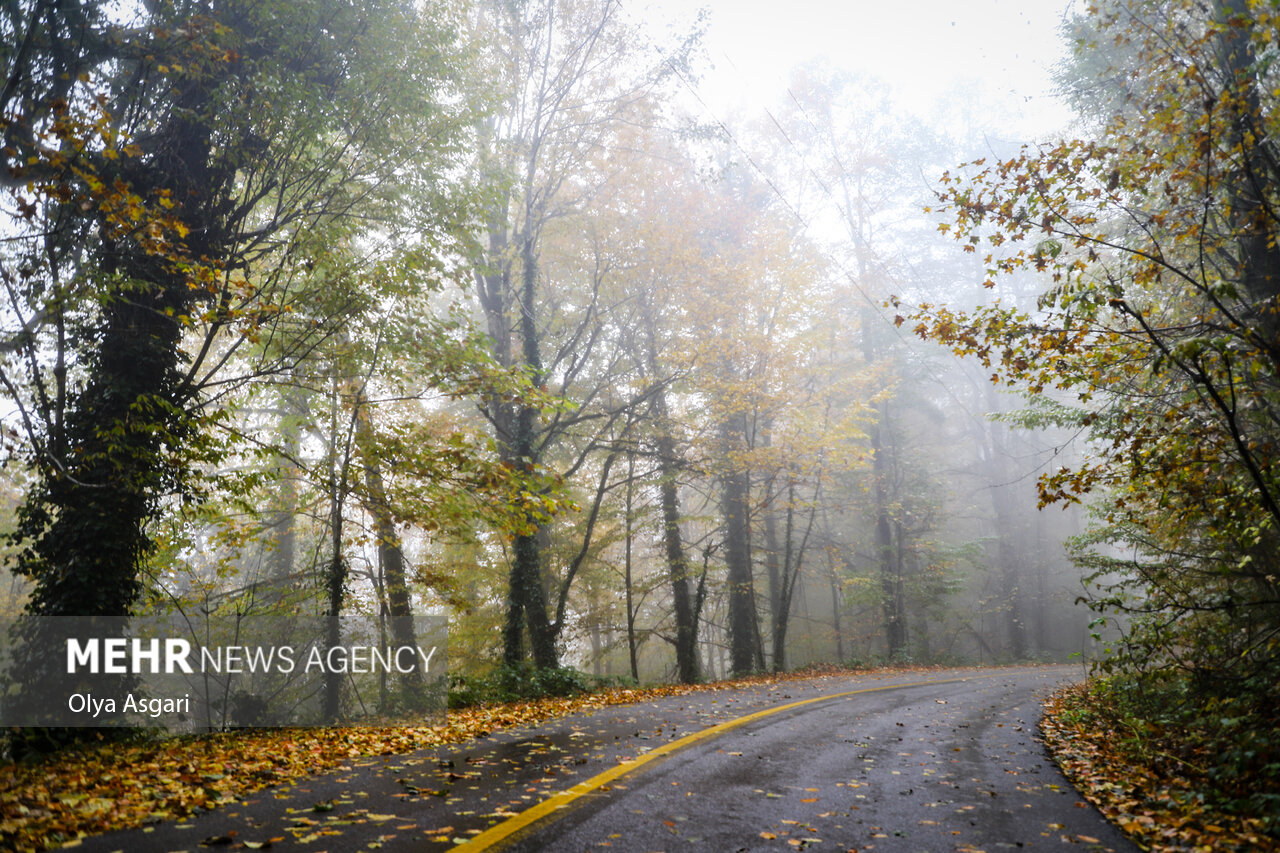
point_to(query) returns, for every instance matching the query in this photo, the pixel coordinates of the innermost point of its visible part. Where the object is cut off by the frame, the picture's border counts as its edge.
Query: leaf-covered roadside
(1134, 775)
(117, 786)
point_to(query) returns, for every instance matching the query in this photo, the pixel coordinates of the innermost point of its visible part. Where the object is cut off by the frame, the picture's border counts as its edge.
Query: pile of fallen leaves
(1159, 807)
(112, 786)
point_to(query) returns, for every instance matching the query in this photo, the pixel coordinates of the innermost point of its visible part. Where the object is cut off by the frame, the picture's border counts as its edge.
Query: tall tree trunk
(1255, 222)
(399, 601)
(909, 566)
(626, 568)
(335, 588)
(597, 642)
(1039, 594)
(283, 533)
(87, 519)
(793, 553)
(1008, 534)
(735, 484)
(892, 603)
(588, 535)
(530, 553)
(336, 573)
(774, 572)
(517, 432)
(678, 572)
(674, 551)
(118, 450)
(527, 600)
(780, 602)
(836, 601)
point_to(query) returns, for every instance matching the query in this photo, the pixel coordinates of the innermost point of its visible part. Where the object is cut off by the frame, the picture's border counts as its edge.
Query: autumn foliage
(1145, 778)
(103, 787)
(1156, 334)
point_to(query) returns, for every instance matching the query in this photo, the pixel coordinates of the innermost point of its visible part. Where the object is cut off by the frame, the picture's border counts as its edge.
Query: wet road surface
(945, 760)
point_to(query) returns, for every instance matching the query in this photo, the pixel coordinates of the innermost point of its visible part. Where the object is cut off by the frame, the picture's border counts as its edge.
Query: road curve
(947, 765)
(940, 761)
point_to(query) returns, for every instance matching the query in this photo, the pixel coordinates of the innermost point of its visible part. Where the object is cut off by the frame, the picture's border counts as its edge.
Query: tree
(650, 216)
(161, 220)
(759, 295)
(1157, 334)
(176, 177)
(571, 76)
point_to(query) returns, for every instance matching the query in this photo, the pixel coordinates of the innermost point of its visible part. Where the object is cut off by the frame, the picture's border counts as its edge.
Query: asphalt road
(937, 761)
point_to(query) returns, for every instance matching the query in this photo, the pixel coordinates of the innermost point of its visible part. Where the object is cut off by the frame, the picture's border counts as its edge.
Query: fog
(615, 371)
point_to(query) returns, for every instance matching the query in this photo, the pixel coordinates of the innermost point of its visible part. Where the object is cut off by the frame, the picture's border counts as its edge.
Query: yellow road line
(500, 832)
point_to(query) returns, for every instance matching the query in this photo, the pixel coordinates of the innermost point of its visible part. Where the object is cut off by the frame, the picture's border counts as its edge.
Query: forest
(329, 322)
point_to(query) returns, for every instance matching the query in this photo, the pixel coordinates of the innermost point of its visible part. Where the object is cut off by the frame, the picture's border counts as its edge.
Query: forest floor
(1156, 806)
(106, 786)
(99, 787)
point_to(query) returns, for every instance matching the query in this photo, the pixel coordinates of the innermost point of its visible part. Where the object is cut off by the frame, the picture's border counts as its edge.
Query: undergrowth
(524, 682)
(1172, 769)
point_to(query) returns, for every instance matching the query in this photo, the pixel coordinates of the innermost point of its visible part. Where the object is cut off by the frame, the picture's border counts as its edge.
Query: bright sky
(920, 47)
